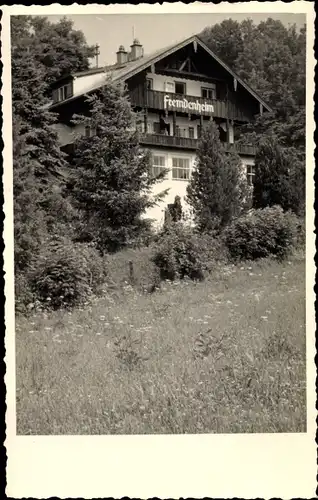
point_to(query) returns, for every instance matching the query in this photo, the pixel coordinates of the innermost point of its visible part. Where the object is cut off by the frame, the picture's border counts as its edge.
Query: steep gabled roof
(125, 71)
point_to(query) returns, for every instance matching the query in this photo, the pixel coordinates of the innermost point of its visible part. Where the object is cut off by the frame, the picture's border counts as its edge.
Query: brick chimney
(136, 50)
(122, 55)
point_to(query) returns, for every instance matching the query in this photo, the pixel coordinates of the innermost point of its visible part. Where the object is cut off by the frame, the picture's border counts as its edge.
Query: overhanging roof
(128, 70)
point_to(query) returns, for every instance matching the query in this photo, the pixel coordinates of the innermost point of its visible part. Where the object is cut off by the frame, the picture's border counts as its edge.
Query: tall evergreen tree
(217, 189)
(39, 165)
(29, 224)
(111, 175)
(280, 177)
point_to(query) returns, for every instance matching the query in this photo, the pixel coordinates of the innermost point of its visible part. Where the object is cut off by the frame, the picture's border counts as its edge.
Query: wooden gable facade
(184, 82)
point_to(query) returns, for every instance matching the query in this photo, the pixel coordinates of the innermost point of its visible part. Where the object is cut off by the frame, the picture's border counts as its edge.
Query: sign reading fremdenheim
(186, 105)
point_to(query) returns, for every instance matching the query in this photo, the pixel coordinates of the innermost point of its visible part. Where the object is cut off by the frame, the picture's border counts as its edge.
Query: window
(180, 88)
(62, 93)
(191, 132)
(181, 132)
(250, 173)
(149, 83)
(158, 165)
(90, 131)
(169, 87)
(208, 93)
(139, 125)
(180, 168)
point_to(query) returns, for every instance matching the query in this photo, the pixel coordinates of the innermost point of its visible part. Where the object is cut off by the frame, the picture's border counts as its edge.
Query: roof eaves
(225, 66)
(164, 53)
(153, 59)
(92, 71)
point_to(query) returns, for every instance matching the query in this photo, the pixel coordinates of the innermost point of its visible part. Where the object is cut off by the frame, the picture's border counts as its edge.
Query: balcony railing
(155, 100)
(190, 143)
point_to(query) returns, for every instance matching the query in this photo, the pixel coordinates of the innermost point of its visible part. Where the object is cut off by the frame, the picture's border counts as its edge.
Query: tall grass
(226, 355)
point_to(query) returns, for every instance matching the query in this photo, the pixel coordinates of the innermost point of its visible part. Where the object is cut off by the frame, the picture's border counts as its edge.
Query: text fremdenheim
(188, 105)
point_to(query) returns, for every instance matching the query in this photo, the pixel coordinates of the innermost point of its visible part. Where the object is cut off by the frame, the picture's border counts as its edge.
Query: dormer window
(62, 93)
(90, 131)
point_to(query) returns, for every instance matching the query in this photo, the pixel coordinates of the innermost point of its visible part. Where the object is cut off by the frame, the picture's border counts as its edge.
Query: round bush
(65, 274)
(262, 233)
(181, 252)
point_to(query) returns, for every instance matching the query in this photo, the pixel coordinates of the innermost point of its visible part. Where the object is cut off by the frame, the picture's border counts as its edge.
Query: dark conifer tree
(111, 176)
(217, 189)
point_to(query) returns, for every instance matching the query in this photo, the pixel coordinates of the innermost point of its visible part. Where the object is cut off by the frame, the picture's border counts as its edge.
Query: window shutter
(55, 95)
(69, 90)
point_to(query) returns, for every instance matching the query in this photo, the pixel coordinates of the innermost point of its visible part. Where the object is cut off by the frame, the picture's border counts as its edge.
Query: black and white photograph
(158, 169)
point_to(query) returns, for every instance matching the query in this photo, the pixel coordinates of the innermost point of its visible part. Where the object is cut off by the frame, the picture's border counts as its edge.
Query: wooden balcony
(170, 141)
(155, 100)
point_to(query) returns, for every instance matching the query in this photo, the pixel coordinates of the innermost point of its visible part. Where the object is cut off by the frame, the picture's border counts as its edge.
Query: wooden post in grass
(131, 273)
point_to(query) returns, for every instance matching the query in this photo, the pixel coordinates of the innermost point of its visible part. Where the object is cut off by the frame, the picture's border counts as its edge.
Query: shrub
(133, 266)
(280, 177)
(301, 233)
(24, 296)
(66, 274)
(262, 233)
(182, 252)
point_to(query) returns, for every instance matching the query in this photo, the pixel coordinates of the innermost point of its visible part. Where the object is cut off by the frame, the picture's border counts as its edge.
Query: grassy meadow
(225, 355)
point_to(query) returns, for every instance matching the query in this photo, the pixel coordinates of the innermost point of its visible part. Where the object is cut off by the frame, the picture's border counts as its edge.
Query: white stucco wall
(83, 84)
(247, 160)
(193, 87)
(175, 187)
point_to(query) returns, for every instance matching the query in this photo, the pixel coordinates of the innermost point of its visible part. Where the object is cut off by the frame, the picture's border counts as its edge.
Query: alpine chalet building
(178, 90)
